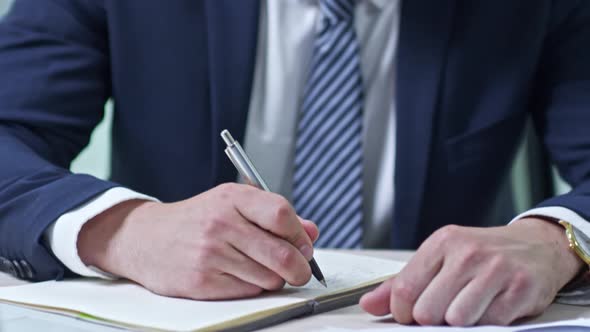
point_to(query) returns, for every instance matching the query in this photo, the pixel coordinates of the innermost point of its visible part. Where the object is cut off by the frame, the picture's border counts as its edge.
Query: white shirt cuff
(559, 213)
(62, 236)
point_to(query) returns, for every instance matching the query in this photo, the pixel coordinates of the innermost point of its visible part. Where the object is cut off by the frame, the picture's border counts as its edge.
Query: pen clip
(242, 163)
(237, 165)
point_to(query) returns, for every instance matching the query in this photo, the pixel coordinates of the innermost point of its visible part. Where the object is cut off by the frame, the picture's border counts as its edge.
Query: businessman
(380, 121)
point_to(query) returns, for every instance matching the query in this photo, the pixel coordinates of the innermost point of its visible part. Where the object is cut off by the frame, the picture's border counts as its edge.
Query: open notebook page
(127, 304)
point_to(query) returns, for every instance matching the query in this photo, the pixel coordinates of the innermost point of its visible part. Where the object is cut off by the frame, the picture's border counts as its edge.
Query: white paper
(559, 326)
(128, 303)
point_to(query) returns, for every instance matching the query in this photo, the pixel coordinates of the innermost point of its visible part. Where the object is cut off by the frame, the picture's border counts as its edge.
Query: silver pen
(246, 168)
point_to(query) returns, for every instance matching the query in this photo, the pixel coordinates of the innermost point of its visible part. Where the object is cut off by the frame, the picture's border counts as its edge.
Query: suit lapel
(232, 31)
(425, 31)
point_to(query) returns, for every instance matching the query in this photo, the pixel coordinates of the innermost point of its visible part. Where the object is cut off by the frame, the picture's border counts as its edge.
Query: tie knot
(337, 10)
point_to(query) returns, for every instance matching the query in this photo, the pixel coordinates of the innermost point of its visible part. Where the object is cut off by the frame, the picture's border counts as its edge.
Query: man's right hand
(232, 241)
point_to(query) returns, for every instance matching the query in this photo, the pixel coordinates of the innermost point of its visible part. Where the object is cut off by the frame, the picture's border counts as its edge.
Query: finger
(250, 271)
(219, 287)
(515, 301)
(275, 214)
(432, 304)
(473, 300)
(411, 282)
(274, 253)
(311, 229)
(498, 312)
(376, 302)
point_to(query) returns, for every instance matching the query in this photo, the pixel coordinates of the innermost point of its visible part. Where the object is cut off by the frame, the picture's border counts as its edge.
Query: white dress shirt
(286, 34)
(285, 46)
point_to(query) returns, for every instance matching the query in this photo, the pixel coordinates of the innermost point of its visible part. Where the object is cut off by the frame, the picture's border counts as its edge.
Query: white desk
(354, 317)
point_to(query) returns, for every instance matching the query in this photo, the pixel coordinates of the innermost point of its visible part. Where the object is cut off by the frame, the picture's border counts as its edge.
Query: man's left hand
(465, 276)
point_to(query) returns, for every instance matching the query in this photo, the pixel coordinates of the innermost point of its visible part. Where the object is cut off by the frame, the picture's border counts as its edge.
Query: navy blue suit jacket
(468, 74)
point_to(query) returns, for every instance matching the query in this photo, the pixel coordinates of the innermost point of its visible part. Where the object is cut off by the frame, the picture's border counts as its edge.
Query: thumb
(377, 301)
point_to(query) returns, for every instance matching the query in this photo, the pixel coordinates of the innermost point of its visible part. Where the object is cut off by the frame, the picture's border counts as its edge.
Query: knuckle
(286, 257)
(209, 250)
(498, 267)
(520, 284)
(522, 280)
(498, 264)
(292, 267)
(282, 210)
(402, 290)
(447, 233)
(215, 226)
(225, 188)
(471, 254)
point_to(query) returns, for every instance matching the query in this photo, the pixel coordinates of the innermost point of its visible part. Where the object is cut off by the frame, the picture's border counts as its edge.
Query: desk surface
(354, 317)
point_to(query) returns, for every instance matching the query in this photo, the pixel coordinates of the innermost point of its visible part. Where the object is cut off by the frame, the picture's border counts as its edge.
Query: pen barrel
(245, 167)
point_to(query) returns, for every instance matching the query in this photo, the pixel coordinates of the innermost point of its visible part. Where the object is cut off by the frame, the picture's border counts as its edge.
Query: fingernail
(307, 251)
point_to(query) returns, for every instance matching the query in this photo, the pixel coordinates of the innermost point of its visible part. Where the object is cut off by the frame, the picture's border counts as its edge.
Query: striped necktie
(327, 177)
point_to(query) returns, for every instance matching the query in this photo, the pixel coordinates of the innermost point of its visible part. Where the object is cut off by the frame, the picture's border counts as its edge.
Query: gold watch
(574, 243)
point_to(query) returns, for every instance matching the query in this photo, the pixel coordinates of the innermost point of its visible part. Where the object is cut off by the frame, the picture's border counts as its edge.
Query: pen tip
(323, 282)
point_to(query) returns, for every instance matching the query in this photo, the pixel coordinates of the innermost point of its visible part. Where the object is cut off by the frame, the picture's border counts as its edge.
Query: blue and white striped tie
(328, 183)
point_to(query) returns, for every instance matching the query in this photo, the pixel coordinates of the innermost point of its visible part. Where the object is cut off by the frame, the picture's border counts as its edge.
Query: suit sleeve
(562, 109)
(54, 81)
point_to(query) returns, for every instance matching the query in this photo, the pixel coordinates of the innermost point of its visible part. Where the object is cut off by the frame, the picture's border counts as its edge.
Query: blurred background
(4, 5)
(532, 178)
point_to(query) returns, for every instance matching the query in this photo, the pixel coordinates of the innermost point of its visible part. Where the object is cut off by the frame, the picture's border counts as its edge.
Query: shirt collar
(379, 4)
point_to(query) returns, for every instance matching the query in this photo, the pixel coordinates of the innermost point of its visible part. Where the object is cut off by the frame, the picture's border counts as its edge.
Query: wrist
(550, 232)
(101, 239)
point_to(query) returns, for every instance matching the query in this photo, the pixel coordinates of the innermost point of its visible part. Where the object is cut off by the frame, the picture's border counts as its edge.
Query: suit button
(27, 269)
(19, 271)
(4, 264)
(7, 267)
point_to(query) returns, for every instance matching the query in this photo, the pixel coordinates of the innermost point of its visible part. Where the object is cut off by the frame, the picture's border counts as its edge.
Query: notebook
(127, 305)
